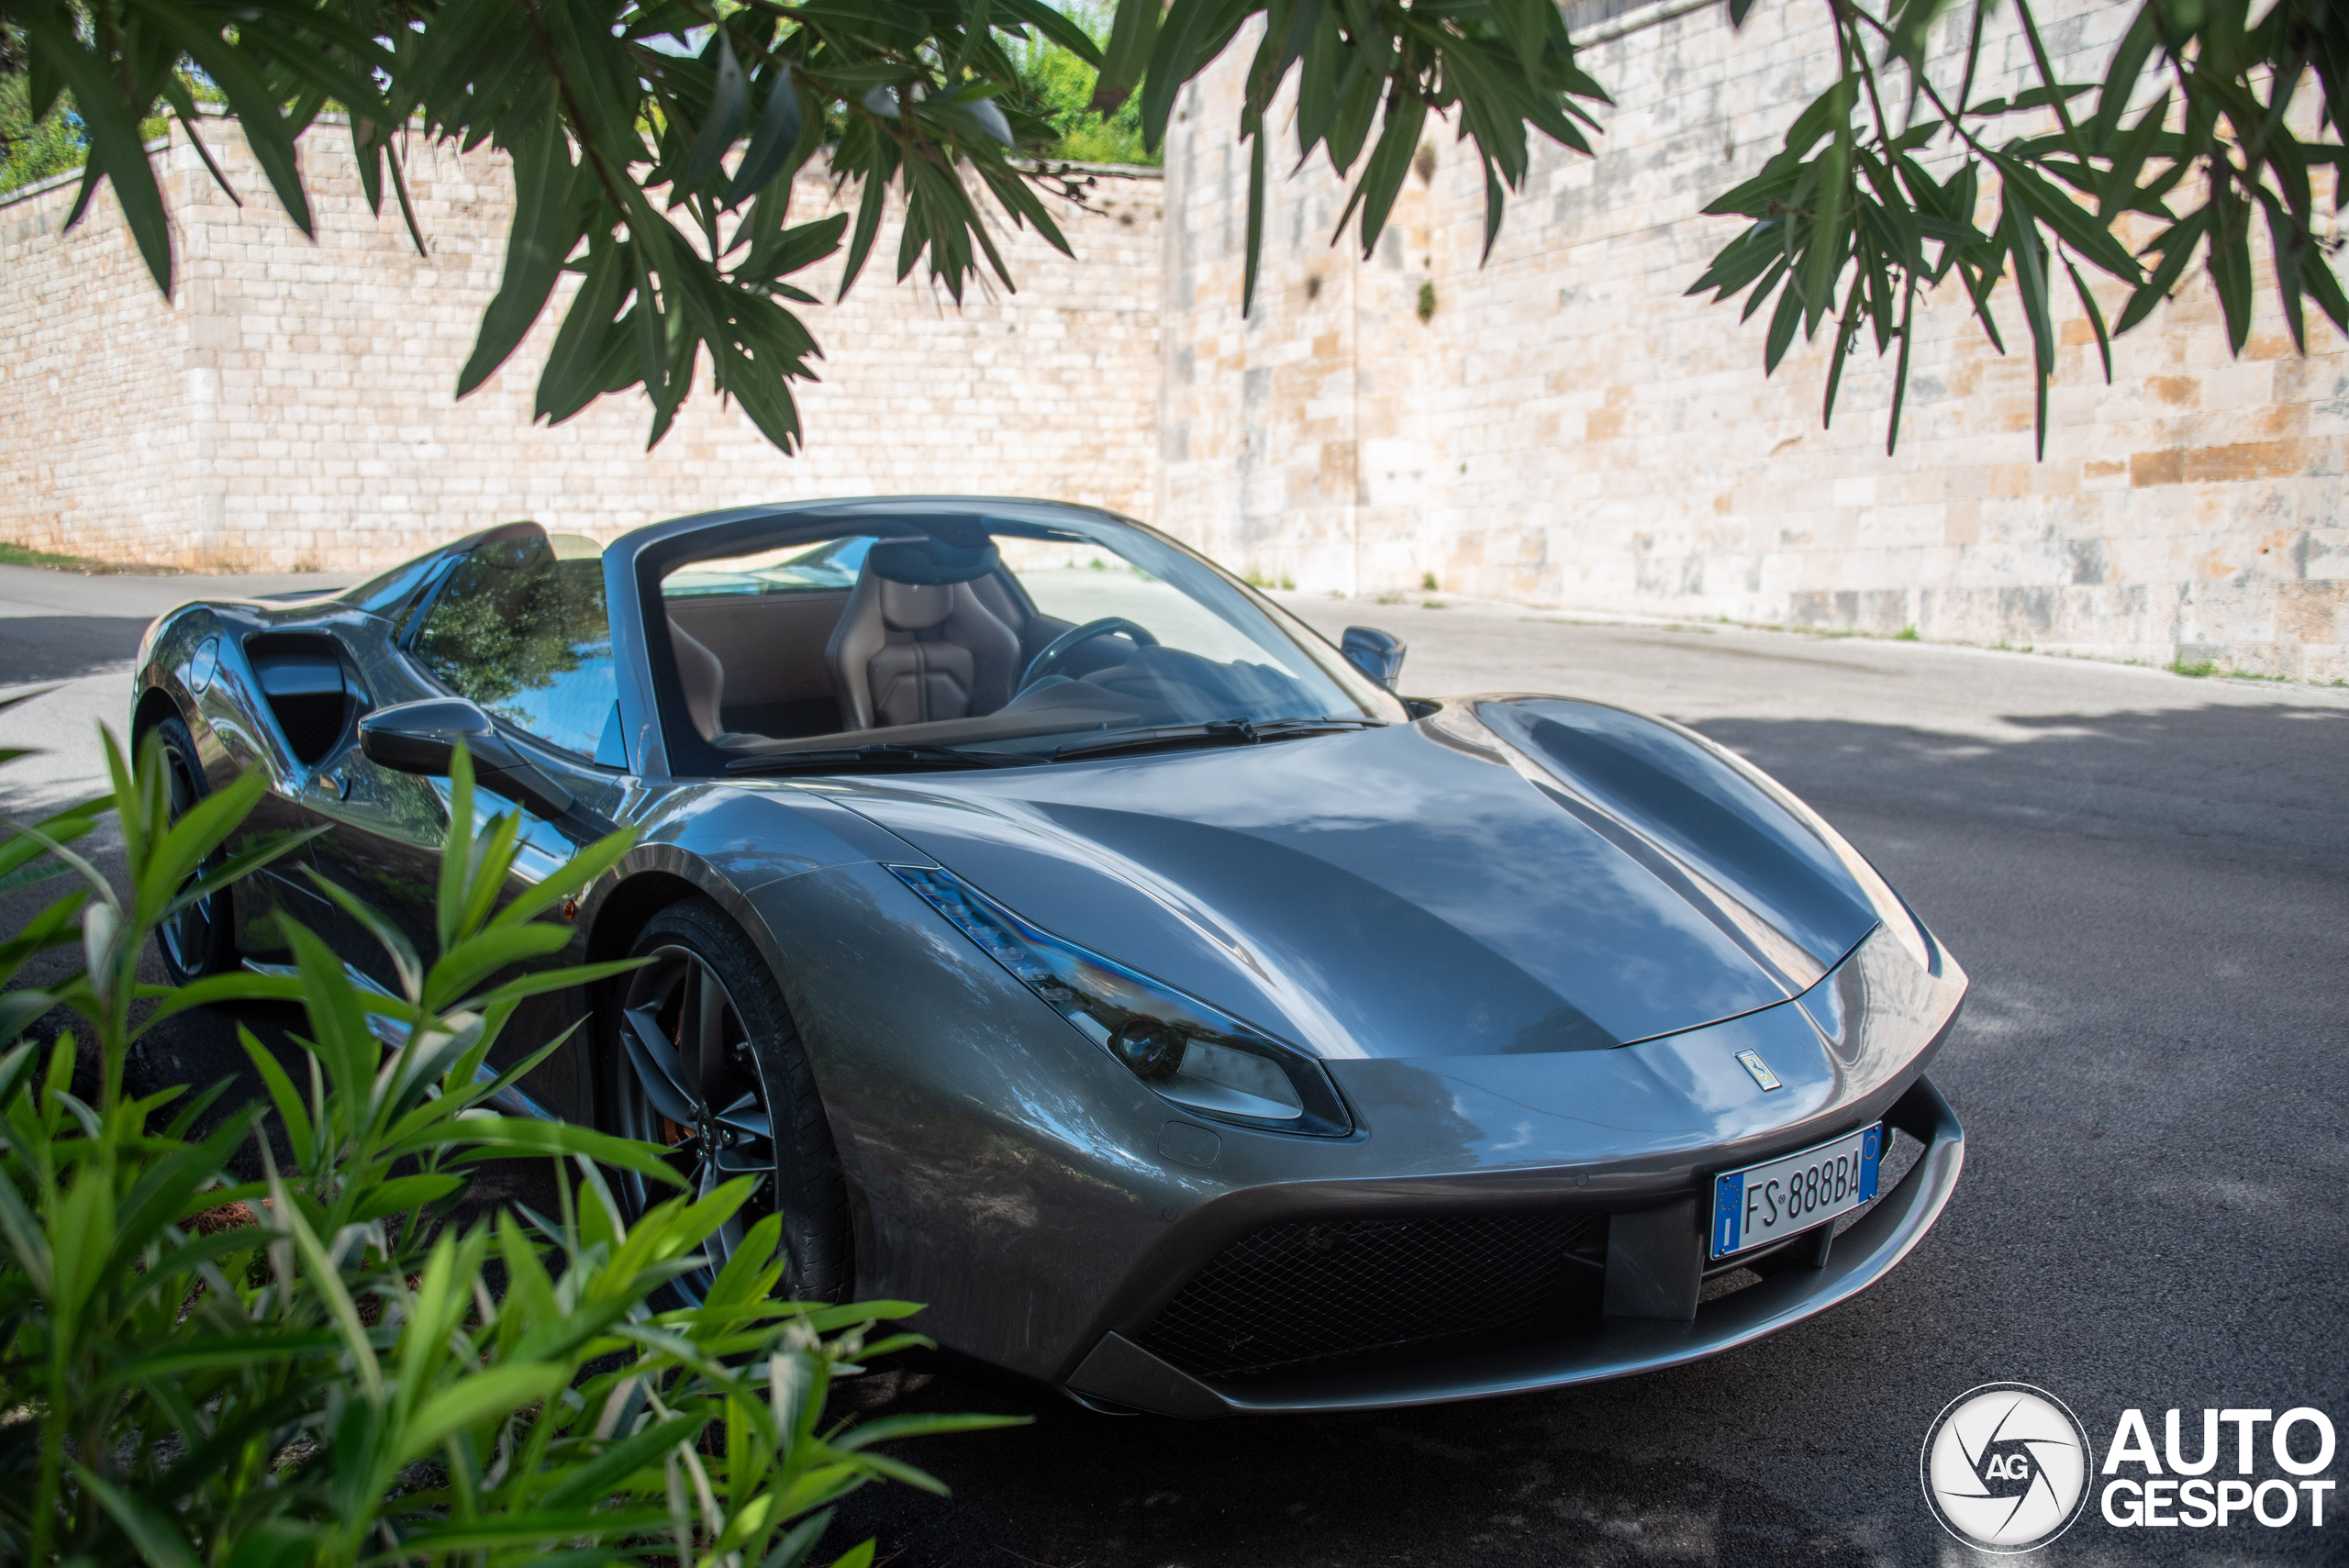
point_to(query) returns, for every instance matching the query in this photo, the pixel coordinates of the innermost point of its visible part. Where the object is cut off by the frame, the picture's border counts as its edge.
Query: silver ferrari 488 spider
(1069, 939)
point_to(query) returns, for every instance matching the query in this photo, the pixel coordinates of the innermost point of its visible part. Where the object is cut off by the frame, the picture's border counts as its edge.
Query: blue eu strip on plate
(1778, 1198)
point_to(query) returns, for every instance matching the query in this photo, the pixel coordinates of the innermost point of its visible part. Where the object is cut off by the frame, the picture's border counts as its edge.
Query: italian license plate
(1772, 1201)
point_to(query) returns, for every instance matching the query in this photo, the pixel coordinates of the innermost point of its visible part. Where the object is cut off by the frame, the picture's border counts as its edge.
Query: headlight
(1203, 1060)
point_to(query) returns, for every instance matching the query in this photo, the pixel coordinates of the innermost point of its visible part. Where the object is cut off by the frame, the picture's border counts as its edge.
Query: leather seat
(704, 678)
(914, 653)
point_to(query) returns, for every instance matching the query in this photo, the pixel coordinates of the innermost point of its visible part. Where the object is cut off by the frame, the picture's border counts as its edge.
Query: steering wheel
(1055, 653)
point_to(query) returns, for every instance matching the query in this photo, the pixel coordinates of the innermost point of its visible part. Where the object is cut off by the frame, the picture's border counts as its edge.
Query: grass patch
(1435, 604)
(1905, 634)
(2204, 668)
(14, 554)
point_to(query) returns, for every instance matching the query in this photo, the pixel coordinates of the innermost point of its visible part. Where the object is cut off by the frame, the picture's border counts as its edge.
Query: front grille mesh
(1308, 1291)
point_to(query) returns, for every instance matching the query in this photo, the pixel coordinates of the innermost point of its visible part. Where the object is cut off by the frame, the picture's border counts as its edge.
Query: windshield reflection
(941, 642)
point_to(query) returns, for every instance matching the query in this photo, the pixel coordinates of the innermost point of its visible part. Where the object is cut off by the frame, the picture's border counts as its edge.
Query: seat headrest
(915, 607)
(931, 562)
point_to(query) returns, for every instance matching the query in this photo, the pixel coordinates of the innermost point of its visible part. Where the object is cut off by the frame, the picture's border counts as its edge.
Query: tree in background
(34, 149)
(1064, 84)
(654, 143)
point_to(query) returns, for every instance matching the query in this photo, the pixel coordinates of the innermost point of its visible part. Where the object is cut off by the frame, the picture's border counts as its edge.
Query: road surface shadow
(2266, 779)
(58, 648)
(1493, 1482)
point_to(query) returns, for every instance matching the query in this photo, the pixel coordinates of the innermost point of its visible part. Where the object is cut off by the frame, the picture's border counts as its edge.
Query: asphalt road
(2148, 879)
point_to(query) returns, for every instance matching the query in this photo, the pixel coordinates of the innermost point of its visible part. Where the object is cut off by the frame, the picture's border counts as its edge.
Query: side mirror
(1375, 653)
(421, 737)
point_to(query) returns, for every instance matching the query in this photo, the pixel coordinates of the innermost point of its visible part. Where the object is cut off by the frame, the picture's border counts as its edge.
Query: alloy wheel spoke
(687, 1072)
(704, 1033)
(746, 1115)
(656, 1066)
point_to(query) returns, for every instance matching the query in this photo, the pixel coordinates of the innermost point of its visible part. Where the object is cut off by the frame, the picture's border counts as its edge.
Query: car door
(522, 631)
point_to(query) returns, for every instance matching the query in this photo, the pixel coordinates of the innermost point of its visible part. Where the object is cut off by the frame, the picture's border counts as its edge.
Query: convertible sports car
(1074, 941)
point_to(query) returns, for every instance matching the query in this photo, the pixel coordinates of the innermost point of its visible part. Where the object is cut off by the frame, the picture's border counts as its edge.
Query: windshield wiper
(840, 759)
(1215, 732)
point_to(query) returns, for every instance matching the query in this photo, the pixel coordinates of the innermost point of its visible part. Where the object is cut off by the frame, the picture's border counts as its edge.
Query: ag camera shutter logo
(2005, 1467)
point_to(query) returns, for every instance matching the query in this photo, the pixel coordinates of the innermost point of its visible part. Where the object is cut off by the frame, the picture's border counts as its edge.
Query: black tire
(200, 939)
(760, 1080)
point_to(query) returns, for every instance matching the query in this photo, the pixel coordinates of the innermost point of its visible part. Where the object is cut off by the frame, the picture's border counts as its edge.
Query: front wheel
(201, 938)
(708, 1065)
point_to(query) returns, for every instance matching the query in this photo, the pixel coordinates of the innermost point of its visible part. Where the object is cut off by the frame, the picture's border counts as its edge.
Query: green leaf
(2021, 235)
(600, 1476)
(586, 864)
(891, 1428)
(546, 228)
(778, 136)
(209, 1352)
(150, 1529)
(491, 1137)
(1900, 370)
(1782, 326)
(1057, 26)
(1255, 215)
(1382, 177)
(2121, 192)
(327, 1279)
(729, 109)
(2072, 222)
(541, 982)
(234, 71)
(479, 1397)
(401, 1194)
(2095, 315)
(241, 986)
(2230, 266)
(118, 153)
(301, 1135)
(576, 373)
(1132, 33)
(2121, 77)
(2176, 244)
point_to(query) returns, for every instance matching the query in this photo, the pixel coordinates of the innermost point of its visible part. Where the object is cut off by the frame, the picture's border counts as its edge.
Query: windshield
(952, 639)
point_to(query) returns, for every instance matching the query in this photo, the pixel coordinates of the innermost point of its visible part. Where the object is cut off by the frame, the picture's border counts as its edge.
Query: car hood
(1513, 874)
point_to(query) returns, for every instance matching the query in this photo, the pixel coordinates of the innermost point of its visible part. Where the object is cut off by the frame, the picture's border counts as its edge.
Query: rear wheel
(710, 1066)
(201, 938)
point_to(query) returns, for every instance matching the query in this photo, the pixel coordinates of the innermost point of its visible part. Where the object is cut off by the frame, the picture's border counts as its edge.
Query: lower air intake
(1309, 1290)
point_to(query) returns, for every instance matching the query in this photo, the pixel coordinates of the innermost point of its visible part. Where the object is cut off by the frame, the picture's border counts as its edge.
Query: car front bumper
(1121, 1373)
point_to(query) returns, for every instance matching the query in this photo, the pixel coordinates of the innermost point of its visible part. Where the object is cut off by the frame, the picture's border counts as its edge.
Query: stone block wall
(294, 406)
(1566, 428)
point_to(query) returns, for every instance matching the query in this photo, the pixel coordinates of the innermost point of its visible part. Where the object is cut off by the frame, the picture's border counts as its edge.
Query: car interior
(949, 631)
(936, 638)
(783, 656)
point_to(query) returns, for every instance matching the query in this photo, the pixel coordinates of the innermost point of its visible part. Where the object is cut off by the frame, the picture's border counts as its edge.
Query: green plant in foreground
(311, 1367)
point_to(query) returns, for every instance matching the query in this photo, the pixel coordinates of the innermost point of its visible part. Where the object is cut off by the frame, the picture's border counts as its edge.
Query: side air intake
(308, 691)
